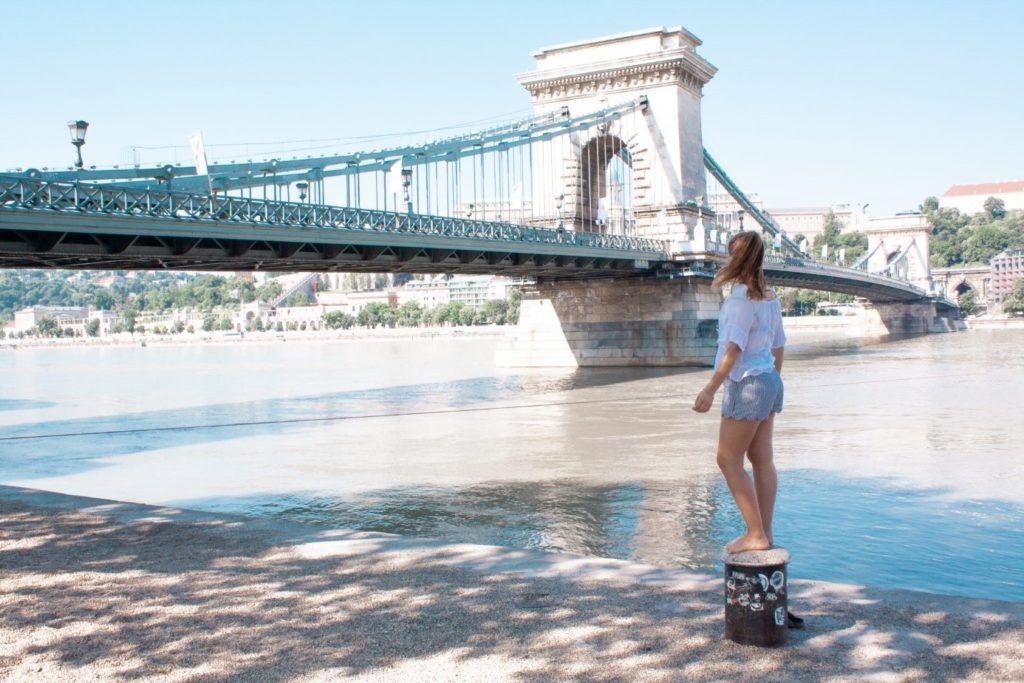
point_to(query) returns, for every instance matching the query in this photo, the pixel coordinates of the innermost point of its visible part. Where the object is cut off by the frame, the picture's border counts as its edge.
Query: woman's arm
(778, 354)
(707, 395)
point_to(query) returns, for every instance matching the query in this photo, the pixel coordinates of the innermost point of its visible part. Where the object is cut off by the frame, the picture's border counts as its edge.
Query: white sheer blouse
(753, 325)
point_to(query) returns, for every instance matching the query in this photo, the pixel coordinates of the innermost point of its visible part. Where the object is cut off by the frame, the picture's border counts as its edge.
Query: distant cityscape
(299, 302)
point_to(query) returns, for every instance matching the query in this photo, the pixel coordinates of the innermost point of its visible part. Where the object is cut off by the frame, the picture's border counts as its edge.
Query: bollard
(756, 585)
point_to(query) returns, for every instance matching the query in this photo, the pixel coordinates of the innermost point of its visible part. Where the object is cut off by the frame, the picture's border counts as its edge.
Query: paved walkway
(96, 590)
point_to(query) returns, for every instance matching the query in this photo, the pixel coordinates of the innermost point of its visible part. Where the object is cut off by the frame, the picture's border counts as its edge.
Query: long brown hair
(746, 264)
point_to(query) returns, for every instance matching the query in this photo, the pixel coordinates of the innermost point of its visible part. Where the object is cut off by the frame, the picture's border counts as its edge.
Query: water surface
(899, 462)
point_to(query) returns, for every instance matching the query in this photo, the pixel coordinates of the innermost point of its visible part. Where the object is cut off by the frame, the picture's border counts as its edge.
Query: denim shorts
(754, 397)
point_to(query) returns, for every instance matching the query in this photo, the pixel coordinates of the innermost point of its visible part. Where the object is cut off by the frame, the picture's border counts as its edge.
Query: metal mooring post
(756, 586)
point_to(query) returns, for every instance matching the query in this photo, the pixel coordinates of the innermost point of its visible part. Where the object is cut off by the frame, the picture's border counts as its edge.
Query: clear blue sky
(814, 103)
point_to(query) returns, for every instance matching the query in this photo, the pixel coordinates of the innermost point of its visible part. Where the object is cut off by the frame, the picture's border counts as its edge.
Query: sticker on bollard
(756, 586)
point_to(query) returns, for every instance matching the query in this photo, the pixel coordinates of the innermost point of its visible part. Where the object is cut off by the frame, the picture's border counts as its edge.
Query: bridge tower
(658, 151)
(900, 245)
(661, 145)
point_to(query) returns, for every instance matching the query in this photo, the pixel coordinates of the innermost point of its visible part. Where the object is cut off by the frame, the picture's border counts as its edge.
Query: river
(900, 462)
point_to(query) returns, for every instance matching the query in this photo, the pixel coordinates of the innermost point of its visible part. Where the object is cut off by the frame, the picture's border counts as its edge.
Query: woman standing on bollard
(749, 360)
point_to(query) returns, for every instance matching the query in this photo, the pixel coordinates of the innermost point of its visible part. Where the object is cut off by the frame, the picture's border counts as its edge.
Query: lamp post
(302, 186)
(406, 182)
(558, 207)
(740, 214)
(78, 129)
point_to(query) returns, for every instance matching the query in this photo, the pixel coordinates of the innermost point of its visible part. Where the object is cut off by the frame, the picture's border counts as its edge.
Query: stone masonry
(639, 320)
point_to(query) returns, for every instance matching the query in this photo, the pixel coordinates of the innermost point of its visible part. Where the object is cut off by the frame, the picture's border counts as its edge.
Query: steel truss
(81, 225)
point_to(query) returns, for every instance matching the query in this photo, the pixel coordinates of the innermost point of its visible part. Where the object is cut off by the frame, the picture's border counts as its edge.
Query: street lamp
(740, 214)
(558, 207)
(302, 186)
(78, 129)
(406, 182)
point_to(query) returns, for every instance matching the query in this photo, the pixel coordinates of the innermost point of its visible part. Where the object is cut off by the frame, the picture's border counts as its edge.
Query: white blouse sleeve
(779, 339)
(735, 321)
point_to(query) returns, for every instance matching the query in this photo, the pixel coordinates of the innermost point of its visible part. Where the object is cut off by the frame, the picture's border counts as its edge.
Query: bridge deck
(46, 224)
(65, 225)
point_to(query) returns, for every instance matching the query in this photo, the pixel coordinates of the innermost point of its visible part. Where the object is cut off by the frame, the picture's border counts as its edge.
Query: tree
(830, 232)
(103, 300)
(296, 299)
(92, 328)
(335, 320)
(800, 301)
(376, 314)
(450, 313)
(494, 311)
(129, 321)
(409, 314)
(209, 323)
(853, 246)
(268, 291)
(1014, 301)
(995, 208)
(515, 299)
(48, 327)
(985, 241)
(968, 302)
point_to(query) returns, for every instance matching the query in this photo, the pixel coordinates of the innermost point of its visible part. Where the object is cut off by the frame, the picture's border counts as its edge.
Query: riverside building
(1007, 268)
(970, 199)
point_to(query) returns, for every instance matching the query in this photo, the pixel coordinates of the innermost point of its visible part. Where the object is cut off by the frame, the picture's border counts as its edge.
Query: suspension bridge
(606, 180)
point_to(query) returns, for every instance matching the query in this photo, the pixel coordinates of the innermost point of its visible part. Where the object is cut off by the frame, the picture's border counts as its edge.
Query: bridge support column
(916, 318)
(615, 321)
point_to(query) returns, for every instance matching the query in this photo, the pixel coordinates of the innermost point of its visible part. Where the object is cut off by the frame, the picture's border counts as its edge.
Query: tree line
(965, 239)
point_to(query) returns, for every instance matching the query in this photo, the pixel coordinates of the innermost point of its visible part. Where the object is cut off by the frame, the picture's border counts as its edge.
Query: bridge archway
(963, 288)
(606, 186)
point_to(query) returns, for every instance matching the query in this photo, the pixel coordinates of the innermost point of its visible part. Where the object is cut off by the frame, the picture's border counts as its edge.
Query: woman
(749, 360)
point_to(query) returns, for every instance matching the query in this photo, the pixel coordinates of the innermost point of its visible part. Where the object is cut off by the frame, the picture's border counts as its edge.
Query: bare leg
(766, 483)
(734, 438)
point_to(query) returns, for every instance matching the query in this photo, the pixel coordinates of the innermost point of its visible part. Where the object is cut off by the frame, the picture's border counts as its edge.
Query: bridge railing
(839, 271)
(21, 193)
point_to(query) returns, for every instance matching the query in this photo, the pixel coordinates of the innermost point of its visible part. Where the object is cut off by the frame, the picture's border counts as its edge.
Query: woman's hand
(704, 399)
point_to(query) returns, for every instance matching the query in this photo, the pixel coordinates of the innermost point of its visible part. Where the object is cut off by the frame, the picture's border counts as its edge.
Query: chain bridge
(600, 194)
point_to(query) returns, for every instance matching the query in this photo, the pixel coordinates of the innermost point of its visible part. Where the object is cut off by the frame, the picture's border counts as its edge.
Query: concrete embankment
(93, 589)
(995, 324)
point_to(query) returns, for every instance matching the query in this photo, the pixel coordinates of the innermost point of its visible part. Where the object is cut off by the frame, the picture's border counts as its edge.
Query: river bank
(210, 338)
(995, 323)
(95, 589)
(800, 330)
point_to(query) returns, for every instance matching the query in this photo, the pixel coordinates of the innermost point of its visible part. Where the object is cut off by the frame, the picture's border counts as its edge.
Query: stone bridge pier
(640, 320)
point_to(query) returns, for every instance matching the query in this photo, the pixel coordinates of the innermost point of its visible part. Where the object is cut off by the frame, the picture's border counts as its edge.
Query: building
(427, 293)
(956, 281)
(971, 198)
(1007, 268)
(74, 317)
(806, 221)
(471, 290)
(357, 301)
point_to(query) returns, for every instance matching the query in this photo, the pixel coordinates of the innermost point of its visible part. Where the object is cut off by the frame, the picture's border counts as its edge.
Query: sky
(814, 103)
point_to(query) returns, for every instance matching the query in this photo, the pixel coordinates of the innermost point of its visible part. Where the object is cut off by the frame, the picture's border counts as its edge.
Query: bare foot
(747, 542)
